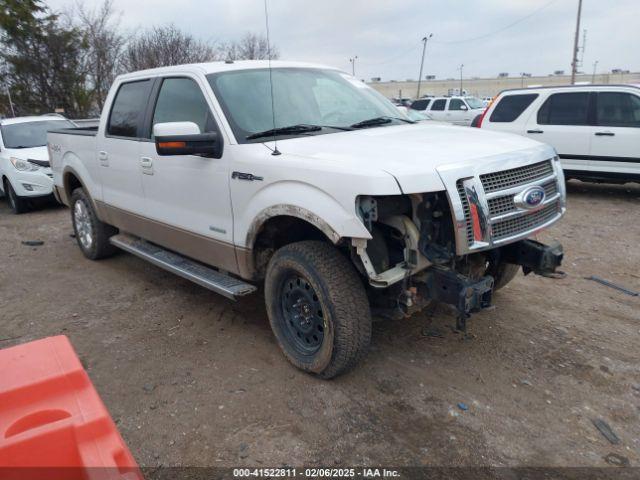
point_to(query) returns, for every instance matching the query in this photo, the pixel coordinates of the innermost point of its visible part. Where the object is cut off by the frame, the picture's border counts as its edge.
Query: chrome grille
(501, 205)
(467, 210)
(505, 204)
(514, 177)
(517, 225)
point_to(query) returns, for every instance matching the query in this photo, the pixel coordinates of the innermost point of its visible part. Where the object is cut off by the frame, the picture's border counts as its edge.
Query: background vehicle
(594, 128)
(24, 162)
(342, 208)
(456, 110)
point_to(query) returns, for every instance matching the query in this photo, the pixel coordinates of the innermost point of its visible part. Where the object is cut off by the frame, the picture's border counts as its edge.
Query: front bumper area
(534, 256)
(468, 295)
(32, 184)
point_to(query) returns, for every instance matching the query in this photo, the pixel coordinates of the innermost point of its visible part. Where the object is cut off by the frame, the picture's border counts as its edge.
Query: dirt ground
(194, 379)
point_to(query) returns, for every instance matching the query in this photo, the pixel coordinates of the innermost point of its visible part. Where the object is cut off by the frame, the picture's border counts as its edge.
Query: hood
(35, 153)
(414, 153)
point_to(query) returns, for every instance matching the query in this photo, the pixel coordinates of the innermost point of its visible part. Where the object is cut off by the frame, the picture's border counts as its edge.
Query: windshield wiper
(372, 122)
(293, 129)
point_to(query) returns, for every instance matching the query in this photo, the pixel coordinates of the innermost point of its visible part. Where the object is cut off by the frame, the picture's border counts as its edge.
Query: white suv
(24, 161)
(594, 128)
(456, 110)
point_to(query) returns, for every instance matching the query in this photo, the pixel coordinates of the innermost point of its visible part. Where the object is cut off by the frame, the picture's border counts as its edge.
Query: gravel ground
(194, 379)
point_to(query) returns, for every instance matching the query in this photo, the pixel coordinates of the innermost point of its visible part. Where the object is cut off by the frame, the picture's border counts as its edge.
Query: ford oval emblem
(532, 197)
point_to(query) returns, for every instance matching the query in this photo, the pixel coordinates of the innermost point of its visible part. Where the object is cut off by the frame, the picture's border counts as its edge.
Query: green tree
(42, 59)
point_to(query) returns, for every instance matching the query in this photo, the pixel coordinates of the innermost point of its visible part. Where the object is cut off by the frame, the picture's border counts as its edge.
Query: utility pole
(461, 66)
(574, 62)
(593, 76)
(353, 65)
(13, 112)
(424, 48)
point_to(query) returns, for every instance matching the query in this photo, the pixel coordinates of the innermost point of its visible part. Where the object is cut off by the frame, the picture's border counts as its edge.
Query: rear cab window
(510, 107)
(128, 109)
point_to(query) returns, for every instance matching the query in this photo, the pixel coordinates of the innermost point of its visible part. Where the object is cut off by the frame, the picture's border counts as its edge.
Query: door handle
(535, 131)
(605, 134)
(147, 165)
(103, 157)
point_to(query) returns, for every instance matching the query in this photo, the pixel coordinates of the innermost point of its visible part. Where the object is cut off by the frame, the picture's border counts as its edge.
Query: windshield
(325, 98)
(30, 134)
(474, 102)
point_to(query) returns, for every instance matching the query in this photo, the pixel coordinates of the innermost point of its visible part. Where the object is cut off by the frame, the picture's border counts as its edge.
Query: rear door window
(128, 109)
(510, 107)
(456, 104)
(438, 104)
(618, 109)
(565, 109)
(420, 104)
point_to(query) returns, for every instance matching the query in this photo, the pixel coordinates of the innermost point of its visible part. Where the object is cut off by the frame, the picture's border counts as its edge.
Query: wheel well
(277, 232)
(71, 182)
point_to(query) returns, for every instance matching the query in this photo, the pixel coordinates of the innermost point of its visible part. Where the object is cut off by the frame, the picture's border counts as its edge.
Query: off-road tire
(100, 231)
(16, 203)
(340, 297)
(503, 273)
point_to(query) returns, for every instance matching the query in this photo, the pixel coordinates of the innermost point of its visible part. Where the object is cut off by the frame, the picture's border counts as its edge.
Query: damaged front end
(412, 258)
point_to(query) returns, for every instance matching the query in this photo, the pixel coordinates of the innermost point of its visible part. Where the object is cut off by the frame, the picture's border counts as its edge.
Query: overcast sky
(386, 34)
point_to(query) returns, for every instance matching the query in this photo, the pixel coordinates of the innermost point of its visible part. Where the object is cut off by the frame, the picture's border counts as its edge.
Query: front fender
(303, 201)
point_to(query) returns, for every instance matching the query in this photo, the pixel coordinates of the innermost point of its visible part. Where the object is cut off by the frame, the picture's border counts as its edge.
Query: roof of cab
(215, 67)
(34, 118)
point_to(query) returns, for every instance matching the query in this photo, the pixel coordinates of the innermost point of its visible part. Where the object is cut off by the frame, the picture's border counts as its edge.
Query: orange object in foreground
(52, 421)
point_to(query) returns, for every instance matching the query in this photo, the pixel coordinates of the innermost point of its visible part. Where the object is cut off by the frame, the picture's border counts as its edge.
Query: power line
(520, 20)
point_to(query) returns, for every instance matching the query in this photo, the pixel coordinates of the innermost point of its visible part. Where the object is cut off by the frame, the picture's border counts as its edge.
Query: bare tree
(250, 47)
(104, 46)
(164, 46)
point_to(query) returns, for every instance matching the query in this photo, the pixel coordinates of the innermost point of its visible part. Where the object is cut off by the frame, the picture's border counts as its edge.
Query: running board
(198, 273)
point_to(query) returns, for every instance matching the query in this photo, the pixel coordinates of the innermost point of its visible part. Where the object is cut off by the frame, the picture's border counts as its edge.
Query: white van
(594, 128)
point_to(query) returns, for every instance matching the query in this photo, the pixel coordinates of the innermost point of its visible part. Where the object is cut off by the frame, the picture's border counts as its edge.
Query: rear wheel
(17, 204)
(92, 235)
(317, 308)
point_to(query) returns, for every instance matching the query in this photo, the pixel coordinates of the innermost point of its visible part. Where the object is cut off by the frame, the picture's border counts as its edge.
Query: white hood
(35, 153)
(414, 153)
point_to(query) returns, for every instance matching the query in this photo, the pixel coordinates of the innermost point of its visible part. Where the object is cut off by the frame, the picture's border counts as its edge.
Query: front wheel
(317, 308)
(503, 273)
(17, 204)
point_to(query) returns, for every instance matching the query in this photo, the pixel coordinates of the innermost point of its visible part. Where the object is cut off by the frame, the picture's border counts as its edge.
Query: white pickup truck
(340, 206)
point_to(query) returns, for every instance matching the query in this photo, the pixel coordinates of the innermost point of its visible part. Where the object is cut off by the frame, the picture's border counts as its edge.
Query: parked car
(594, 128)
(24, 161)
(456, 110)
(343, 208)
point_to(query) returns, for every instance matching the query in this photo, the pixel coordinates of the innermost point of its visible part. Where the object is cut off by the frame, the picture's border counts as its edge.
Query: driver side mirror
(463, 107)
(184, 138)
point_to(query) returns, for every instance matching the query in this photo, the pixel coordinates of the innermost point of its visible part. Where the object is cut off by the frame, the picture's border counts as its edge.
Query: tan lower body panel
(198, 247)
